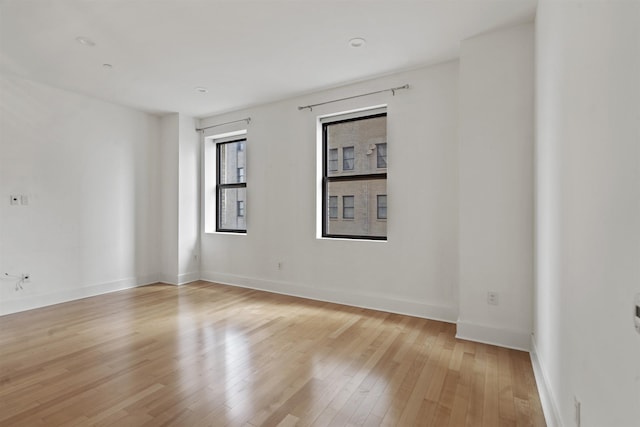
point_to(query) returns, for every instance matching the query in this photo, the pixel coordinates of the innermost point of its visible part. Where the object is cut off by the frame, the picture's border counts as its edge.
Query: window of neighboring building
(333, 207)
(381, 155)
(361, 181)
(348, 206)
(333, 159)
(382, 206)
(348, 158)
(231, 187)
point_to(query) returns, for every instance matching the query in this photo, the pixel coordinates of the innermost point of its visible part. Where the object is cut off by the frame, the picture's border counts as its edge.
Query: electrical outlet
(492, 298)
(24, 200)
(280, 264)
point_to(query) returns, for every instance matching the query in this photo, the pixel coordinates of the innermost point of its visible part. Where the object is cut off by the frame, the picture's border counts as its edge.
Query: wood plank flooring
(210, 355)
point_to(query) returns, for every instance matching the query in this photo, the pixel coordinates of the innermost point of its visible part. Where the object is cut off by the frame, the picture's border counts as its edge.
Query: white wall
(415, 271)
(188, 201)
(496, 186)
(90, 170)
(180, 230)
(588, 211)
(169, 158)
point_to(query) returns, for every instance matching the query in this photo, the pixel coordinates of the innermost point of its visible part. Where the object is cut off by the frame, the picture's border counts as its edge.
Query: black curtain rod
(247, 119)
(392, 90)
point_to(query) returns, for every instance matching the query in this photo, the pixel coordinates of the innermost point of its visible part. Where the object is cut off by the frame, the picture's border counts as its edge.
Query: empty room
(320, 213)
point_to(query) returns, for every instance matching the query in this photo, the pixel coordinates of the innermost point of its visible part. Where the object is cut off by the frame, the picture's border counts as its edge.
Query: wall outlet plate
(14, 200)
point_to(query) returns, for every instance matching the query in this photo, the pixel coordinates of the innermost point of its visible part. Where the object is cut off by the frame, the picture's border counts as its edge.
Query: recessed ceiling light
(85, 41)
(201, 89)
(357, 42)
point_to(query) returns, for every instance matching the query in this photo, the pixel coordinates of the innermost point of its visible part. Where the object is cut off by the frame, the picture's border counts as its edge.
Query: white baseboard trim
(30, 302)
(355, 299)
(180, 279)
(168, 279)
(188, 277)
(549, 407)
(503, 337)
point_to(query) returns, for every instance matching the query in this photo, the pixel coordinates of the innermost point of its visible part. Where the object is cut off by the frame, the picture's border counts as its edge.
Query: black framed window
(382, 206)
(348, 158)
(333, 207)
(333, 159)
(231, 187)
(360, 182)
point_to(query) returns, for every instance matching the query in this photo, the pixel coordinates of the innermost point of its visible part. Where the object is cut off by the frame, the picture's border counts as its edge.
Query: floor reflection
(214, 355)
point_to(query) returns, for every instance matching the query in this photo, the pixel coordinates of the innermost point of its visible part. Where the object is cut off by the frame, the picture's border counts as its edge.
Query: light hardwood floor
(210, 355)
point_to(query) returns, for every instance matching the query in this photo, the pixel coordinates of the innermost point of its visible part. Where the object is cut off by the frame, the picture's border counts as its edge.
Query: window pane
(348, 160)
(359, 199)
(333, 206)
(347, 207)
(333, 159)
(240, 209)
(357, 140)
(232, 208)
(382, 206)
(381, 156)
(232, 160)
(355, 152)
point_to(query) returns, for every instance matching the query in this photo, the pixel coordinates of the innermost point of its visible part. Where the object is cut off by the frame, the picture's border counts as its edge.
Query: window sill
(346, 239)
(227, 233)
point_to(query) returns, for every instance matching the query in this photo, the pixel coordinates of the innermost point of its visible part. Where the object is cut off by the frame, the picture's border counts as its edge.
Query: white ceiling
(244, 52)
